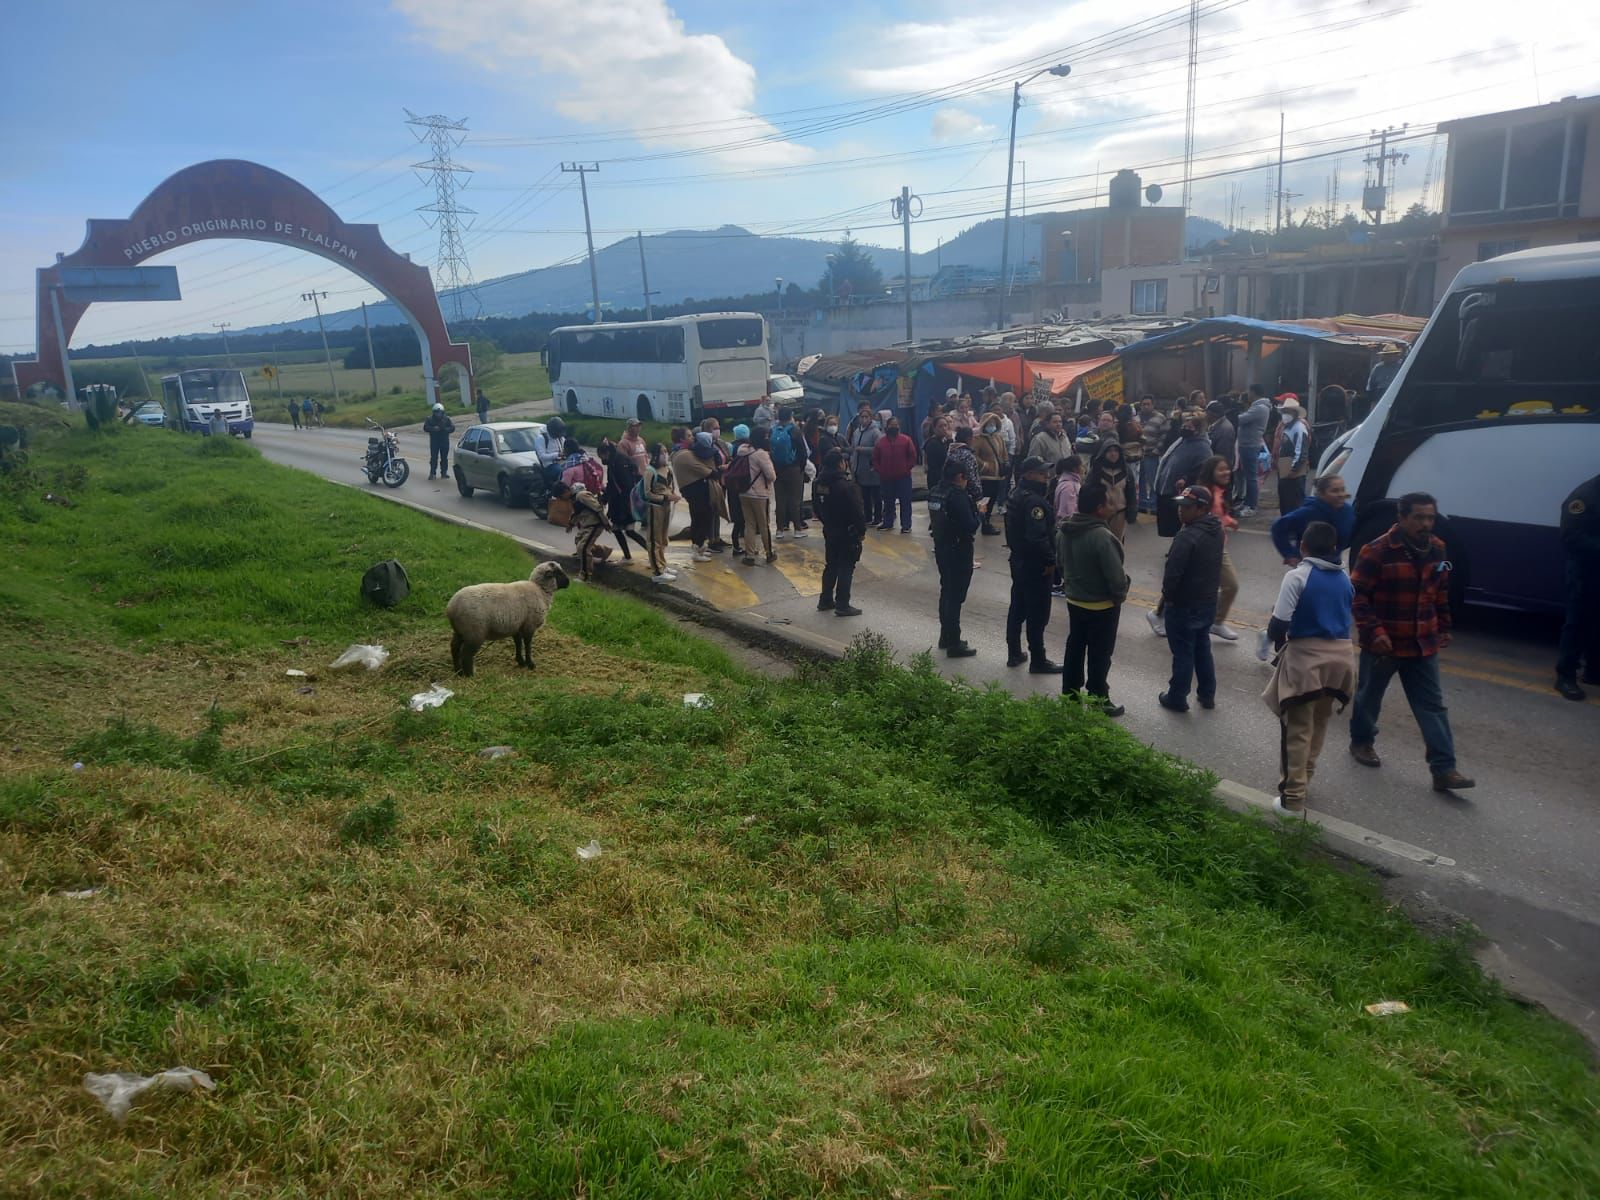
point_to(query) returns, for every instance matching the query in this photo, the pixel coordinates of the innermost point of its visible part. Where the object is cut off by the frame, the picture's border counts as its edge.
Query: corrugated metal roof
(1235, 328)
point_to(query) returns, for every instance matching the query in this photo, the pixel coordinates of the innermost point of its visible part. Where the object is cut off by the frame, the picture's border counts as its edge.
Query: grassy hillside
(857, 933)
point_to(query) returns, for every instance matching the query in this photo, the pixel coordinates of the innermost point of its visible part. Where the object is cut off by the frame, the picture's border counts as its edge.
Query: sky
(801, 117)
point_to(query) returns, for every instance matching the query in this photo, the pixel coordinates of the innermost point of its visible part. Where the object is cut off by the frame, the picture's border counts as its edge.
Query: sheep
(486, 612)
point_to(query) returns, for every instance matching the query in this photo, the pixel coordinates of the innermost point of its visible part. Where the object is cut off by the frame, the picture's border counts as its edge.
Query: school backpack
(736, 479)
(593, 477)
(637, 504)
(783, 453)
(385, 583)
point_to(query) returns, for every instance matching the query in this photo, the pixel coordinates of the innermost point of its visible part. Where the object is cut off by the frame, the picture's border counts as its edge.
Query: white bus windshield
(213, 387)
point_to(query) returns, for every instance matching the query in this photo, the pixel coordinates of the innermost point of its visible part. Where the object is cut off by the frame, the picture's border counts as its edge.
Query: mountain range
(693, 264)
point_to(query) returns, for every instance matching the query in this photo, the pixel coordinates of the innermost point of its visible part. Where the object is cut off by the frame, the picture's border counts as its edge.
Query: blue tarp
(1228, 327)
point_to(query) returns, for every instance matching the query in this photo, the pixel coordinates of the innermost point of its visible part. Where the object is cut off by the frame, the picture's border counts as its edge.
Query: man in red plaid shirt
(1402, 612)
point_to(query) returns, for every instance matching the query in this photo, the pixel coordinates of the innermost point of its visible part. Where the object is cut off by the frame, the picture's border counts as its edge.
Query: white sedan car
(785, 389)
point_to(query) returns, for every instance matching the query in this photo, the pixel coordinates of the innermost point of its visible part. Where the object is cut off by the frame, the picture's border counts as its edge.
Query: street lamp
(831, 289)
(1062, 70)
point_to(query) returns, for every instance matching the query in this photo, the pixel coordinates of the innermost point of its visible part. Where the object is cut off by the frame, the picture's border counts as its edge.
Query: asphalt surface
(1519, 855)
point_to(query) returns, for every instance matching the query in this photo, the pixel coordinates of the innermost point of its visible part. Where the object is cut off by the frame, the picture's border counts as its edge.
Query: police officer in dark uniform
(1580, 633)
(837, 501)
(1031, 535)
(955, 523)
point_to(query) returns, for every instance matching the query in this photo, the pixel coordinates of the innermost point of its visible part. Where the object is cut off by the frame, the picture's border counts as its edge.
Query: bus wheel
(643, 412)
(572, 403)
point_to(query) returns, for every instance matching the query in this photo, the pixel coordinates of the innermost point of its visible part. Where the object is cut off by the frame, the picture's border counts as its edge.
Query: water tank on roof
(1123, 191)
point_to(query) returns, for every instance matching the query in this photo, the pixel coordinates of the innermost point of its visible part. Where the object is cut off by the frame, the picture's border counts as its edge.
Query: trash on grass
(359, 655)
(590, 852)
(81, 893)
(305, 691)
(497, 752)
(292, 673)
(77, 766)
(1387, 1008)
(696, 700)
(432, 698)
(118, 1090)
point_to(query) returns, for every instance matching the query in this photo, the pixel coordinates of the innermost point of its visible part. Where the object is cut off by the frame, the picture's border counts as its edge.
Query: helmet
(557, 426)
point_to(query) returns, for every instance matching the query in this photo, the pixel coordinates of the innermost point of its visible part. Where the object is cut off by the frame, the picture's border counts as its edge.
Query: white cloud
(627, 63)
(952, 124)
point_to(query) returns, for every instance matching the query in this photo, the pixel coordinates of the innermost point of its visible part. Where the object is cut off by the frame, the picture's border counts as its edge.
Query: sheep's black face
(560, 577)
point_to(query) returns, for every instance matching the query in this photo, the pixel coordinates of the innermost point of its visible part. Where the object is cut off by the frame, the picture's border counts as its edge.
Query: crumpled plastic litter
(590, 852)
(1388, 1008)
(432, 698)
(77, 766)
(360, 655)
(292, 673)
(696, 700)
(118, 1090)
(81, 893)
(497, 752)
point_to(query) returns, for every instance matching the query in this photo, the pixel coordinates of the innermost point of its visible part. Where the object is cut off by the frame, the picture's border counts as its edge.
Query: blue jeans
(892, 491)
(1420, 679)
(1147, 481)
(1189, 636)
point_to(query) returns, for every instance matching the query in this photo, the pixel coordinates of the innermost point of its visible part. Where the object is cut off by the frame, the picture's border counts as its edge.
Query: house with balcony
(1519, 179)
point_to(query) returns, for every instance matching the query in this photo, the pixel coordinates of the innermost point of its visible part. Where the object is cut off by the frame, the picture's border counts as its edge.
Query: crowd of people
(1062, 489)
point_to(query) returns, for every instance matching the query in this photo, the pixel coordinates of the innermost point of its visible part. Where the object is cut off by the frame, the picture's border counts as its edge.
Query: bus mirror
(1467, 318)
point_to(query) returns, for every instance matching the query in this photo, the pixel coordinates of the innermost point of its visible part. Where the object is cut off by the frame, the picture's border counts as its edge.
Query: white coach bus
(680, 369)
(1496, 414)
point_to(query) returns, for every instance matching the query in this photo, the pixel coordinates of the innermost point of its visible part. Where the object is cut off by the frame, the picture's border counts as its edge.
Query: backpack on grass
(385, 583)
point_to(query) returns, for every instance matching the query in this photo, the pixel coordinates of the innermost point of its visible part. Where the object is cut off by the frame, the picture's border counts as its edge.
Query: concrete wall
(1103, 238)
(1458, 245)
(864, 326)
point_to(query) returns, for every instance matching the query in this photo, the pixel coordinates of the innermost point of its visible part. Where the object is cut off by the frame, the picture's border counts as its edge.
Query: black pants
(1291, 493)
(1030, 608)
(841, 554)
(994, 491)
(438, 455)
(294, 415)
(1093, 636)
(1580, 632)
(955, 577)
(872, 502)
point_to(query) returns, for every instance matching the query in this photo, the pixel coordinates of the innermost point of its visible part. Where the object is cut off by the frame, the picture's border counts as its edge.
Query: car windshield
(783, 383)
(514, 441)
(151, 407)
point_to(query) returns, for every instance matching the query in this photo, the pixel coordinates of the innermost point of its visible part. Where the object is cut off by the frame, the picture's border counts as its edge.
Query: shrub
(370, 824)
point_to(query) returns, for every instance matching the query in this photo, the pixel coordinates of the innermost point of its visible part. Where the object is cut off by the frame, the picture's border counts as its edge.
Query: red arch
(230, 198)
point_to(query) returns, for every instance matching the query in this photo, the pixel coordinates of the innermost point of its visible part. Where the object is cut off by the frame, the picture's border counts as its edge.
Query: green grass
(589, 430)
(859, 932)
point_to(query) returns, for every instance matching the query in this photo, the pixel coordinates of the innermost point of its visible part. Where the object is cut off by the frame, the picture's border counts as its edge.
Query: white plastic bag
(432, 698)
(359, 655)
(497, 752)
(696, 700)
(118, 1090)
(590, 852)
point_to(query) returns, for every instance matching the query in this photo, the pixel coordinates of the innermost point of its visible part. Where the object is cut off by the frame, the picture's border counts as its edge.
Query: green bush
(370, 824)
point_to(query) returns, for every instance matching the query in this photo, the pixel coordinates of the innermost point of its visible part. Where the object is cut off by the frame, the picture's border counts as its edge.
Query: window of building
(1501, 246)
(1149, 297)
(1524, 172)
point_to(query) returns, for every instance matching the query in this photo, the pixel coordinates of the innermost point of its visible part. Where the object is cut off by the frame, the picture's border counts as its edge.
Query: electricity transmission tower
(451, 273)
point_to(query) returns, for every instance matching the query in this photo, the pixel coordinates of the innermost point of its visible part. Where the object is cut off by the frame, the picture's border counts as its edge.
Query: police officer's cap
(1034, 463)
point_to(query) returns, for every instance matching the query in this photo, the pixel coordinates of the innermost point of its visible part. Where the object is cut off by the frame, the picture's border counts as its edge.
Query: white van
(1496, 414)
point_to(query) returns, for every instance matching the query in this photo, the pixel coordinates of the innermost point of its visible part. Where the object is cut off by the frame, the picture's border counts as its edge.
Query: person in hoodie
(1096, 583)
(994, 466)
(1316, 666)
(1252, 436)
(1108, 470)
(844, 526)
(1331, 505)
(1189, 597)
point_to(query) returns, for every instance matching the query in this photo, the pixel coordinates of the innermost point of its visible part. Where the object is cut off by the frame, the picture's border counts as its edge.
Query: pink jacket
(635, 449)
(1067, 496)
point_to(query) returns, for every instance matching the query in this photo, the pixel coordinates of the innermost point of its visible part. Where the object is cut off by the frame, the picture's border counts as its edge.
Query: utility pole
(1277, 224)
(227, 352)
(1376, 199)
(644, 272)
(372, 362)
(144, 380)
(583, 170)
(901, 206)
(316, 299)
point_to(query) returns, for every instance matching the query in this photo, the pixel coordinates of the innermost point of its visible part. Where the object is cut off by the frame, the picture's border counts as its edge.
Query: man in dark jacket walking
(1180, 464)
(1031, 535)
(1580, 632)
(844, 525)
(1252, 429)
(1402, 611)
(1096, 584)
(955, 523)
(1189, 593)
(438, 427)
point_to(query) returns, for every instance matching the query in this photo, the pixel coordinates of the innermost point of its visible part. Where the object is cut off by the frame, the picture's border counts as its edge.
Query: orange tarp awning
(1010, 372)
(1063, 375)
(1006, 372)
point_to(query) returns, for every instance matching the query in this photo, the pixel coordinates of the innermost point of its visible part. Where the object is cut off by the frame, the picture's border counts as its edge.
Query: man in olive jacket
(1096, 583)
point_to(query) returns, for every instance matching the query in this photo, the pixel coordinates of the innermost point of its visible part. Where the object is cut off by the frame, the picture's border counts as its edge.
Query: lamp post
(831, 290)
(1062, 70)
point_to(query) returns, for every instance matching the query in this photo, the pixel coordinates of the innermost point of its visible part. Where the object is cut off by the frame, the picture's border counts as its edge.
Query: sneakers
(1016, 658)
(1365, 754)
(771, 558)
(824, 605)
(1221, 630)
(907, 529)
(1058, 593)
(781, 536)
(1171, 705)
(1245, 512)
(1452, 781)
(1157, 625)
(800, 533)
(1207, 704)
(959, 650)
(1288, 808)
(700, 556)
(1569, 689)
(1043, 666)
(849, 610)
(748, 560)
(662, 578)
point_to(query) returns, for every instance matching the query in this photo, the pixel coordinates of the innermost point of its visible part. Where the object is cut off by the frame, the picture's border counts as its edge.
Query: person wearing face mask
(892, 459)
(993, 466)
(844, 526)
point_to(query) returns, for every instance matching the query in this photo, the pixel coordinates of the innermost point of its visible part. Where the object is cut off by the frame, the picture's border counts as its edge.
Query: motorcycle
(383, 459)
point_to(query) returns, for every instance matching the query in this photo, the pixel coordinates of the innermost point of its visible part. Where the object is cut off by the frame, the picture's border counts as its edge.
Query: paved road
(1519, 855)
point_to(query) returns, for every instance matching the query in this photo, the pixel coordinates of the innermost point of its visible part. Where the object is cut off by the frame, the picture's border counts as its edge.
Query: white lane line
(1240, 798)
